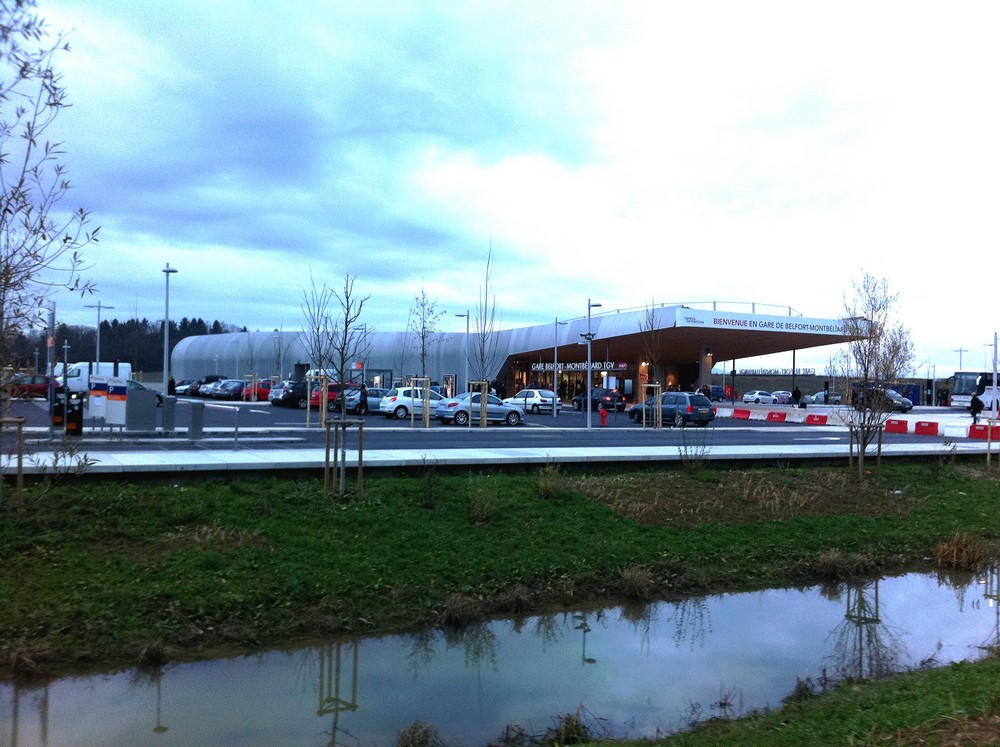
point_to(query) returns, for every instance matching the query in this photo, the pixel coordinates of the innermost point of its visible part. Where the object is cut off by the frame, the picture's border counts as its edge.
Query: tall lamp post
(465, 348)
(590, 337)
(555, 368)
(97, 352)
(167, 272)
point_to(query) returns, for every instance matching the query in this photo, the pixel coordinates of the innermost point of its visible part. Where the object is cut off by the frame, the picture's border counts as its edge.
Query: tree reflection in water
(865, 647)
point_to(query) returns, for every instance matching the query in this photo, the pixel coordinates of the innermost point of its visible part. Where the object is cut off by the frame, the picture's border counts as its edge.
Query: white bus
(967, 383)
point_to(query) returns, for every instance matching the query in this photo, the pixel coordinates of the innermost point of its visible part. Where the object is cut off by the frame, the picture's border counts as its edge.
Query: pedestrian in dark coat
(976, 406)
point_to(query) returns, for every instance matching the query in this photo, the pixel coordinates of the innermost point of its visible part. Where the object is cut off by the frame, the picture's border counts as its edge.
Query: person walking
(976, 406)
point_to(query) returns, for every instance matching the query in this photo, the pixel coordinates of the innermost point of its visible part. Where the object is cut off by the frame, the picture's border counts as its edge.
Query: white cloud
(626, 151)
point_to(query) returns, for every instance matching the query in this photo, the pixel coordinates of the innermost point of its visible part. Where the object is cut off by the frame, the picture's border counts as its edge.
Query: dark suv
(288, 394)
(679, 409)
(612, 399)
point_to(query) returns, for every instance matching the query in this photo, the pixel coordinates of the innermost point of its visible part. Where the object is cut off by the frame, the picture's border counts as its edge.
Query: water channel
(635, 671)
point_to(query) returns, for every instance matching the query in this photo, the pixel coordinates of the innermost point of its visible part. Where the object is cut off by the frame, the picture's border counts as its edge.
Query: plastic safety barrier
(776, 417)
(816, 419)
(925, 428)
(741, 414)
(895, 425)
(982, 432)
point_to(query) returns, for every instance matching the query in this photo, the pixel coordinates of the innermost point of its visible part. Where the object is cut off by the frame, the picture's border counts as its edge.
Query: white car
(759, 397)
(535, 400)
(399, 402)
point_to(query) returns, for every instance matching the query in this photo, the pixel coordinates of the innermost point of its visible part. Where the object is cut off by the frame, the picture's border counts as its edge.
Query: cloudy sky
(627, 152)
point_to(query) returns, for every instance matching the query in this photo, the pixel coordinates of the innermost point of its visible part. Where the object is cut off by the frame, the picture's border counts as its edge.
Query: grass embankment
(112, 573)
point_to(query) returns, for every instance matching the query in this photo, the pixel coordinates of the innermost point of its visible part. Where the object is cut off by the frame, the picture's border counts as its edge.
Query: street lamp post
(590, 337)
(97, 352)
(465, 348)
(555, 368)
(167, 272)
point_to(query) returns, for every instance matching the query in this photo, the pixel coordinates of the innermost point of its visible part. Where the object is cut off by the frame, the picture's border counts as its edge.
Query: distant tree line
(135, 341)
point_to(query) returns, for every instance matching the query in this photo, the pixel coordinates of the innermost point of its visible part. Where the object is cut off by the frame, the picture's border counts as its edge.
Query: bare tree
(349, 338)
(485, 343)
(879, 353)
(423, 322)
(317, 334)
(280, 348)
(39, 245)
(652, 338)
(349, 342)
(402, 351)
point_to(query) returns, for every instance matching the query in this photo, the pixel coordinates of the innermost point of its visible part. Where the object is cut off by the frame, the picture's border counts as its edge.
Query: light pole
(97, 352)
(167, 272)
(960, 351)
(555, 368)
(36, 360)
(590, 337)
(465, 348)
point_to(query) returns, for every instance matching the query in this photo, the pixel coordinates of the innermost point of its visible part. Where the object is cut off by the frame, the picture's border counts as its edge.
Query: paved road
(292, 428)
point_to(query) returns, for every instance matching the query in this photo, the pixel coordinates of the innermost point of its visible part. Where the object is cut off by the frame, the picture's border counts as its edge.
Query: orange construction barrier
(924, 428)
(776, 417)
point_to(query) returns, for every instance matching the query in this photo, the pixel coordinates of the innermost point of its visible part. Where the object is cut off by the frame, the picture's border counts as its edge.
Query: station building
(674, 345)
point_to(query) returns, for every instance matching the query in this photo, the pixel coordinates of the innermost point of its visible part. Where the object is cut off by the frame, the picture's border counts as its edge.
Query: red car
(258, 392)
(332, 396)
(30, 385)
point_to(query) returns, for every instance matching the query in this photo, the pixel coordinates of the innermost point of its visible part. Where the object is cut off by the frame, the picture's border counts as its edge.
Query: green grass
(108, 573)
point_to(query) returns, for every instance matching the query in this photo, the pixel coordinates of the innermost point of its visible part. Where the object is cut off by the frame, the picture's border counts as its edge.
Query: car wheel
(362, 409)
(535, 409)
(577, 405)
(400, 413)
(331, 405)
(513, 418)
(757, 401)
(461, 418)
(302, 404)
(678, 420)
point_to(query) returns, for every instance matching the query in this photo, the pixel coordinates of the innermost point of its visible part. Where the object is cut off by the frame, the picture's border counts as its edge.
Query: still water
(635, 671)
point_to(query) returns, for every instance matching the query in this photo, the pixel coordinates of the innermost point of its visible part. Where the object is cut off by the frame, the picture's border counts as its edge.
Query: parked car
(535, 400)
(884, 399)
(717, 393)
(468, 406)
(612, 399)
(197, 387)
(257, 391)
(679, 409)
(30, 385)
(333, 394)
(822, 398)
(375, 396)
(782, 398)
(399, 402)
(289, 394)
(373, 400)
(759, 396)
(230, 389)
(132, 385)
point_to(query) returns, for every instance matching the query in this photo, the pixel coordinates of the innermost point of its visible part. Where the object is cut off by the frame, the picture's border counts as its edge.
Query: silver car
(460, 409)
(399, 402)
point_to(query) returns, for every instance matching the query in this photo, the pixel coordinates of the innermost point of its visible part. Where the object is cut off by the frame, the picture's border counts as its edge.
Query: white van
(78, 374)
